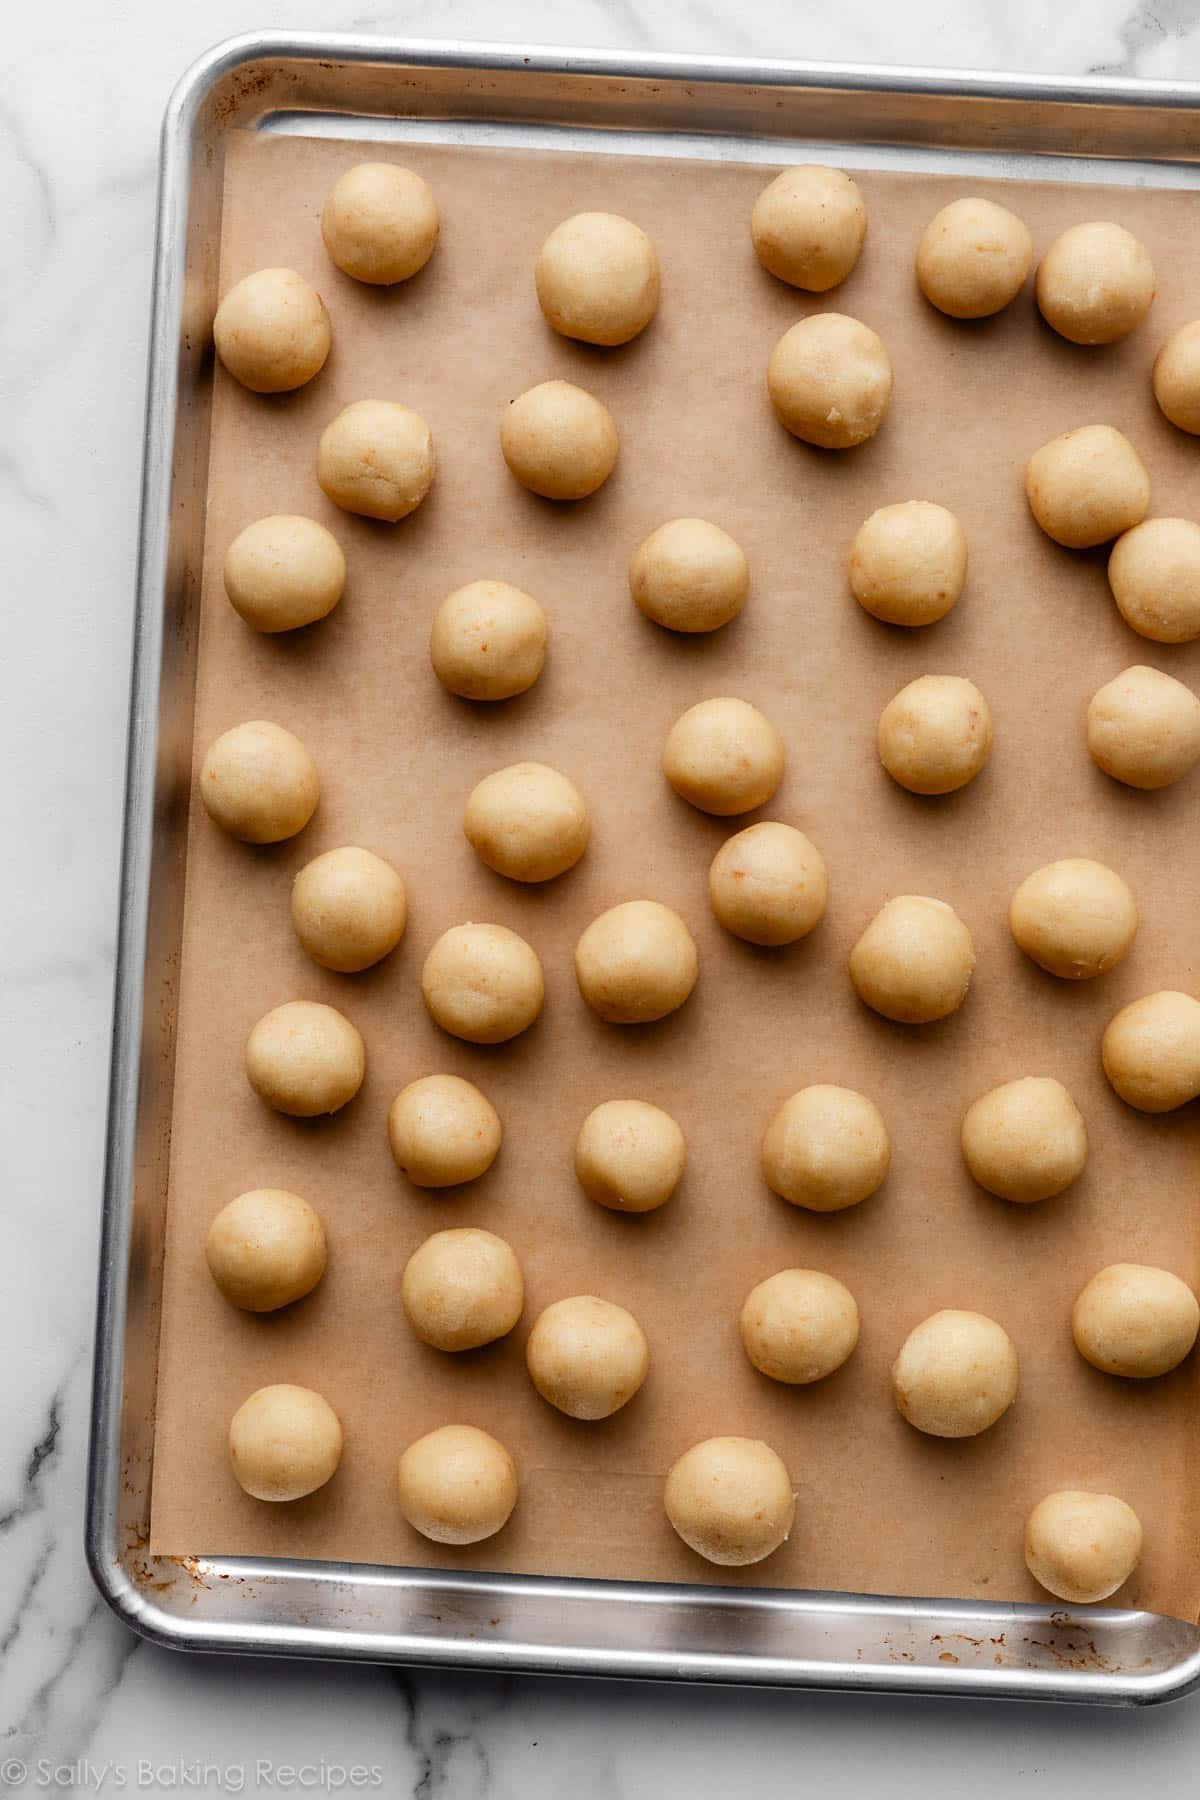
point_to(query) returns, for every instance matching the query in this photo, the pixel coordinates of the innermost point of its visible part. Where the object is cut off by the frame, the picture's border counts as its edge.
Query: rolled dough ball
(1087, 486)
(1151, 1051)
(799, 1325)
(768, 884)
(955, 1375)
(1095, 283)
(913, 963)
(629, 1156)
(588, 1357)
(1154, 573)
(1177, 377)
(724, 756)
(442, 1131)
(259, 783)
(973, 258)
(461, 1289)
(689, 575)
(559, 441)
(908, 563)
(809, 226)
(284, 1442)
(305, 1059)
(376, 458)
(349, 909)
(826, 1148)
(380, 223)
(1025, 1140)
(1135, 1321)
(936, 734)
(597, 278)
(830, 381)
(1082, 1547)
(1143, 728)
(272, 331)
(527, 822)
(488, 641)
(1074, 918)
(731, 1500)
(483, 983)
(636, 963)
(266, 1249)
(283, 572)
(457, 1485)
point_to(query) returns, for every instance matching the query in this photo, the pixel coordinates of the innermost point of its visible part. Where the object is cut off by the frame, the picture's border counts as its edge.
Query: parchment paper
(881, 1508)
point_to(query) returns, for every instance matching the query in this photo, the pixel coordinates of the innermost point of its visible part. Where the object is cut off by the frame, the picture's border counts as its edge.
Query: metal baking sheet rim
(471, 1620)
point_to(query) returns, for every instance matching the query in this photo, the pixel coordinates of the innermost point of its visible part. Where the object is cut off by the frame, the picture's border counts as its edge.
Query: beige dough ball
(1151, 1051)
(636, 963)
(1082, 1547)
(587, 1357)
(768, 884)
(376, 458)
(973, 258)
(731, 1500)
(462, 1288)
(272, 331)
(457, 1485)
(266, 1249)
(527, 822)
(380, 223)
(349, 909)
(284, 1442)
(689, 575)
(559, 441)
(1143, 728)
(597, 278)
(1135, 1321)
(913, 963)
(283, 572)
(443, 1131)
(826, 1148)
(1025, 1140)
(936, 734)
(1074, 918)
(483, 983)
(809, 227)
(1177, 377)
(259, 783)
(1087, 486)
(830, 381)
(799, 1325)
(629, 1156)
(488, 641)
(305, 1059)
(908, 563)
(1154, 573)
(724, 756)
(1095, 283)
(955, 1375)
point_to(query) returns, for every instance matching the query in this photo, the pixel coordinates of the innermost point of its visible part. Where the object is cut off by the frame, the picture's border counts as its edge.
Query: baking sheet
(880, 1508)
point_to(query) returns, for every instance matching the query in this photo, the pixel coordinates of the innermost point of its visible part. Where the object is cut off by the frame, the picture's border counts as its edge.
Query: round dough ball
(809, 226)
(1135, 1321)
(1177, 377)
(1154, 573)
(689, 575)
(768, 884)
(629, 1156)
(1095, 283)
(283, 572)
(457, 1485)
(913, 963)
(830, 381)
(483, 983)
(1074, 918)
(380, 223)
(908, 563)
(266, 1249)
(597, 278)
(731, 1500)
(349, 909)
(443, 1131)
(1151, 1051)
(488, 641)
(1082, 1547)
(284, 1442)
(272, 331)
(305, 1059)
(559, 441)
(527, 822)
(973, 258)
(799, 1325)
(724, 756)
(636, 963)
(826, 1148)
(1143, 728)
(462, 1288)
(1025, 1140)
(587, 1357)
(955, 1375)
(936, 734)
(1087, 486)
(376, 458)
(259, 783)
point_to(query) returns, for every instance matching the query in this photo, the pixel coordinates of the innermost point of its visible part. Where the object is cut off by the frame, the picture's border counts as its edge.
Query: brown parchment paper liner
(880, 1508)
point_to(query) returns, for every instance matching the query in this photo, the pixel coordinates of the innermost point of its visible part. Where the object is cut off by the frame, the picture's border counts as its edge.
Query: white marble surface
(81, 90)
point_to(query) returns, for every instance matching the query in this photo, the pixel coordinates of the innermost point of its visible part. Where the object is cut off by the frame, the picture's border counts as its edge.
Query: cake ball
(283, 572)
(724, 756)
(826, 1148)
(284, 1442)
(528, 822)
(689, 576)
(597, 278)
(830, 381)
(956, 1374)
(1151, 1051)
(1087, 486)
(1135, 1321)
(1095, 283)
(462, 1289)
(973, 258)
(799, 1326)
(809, 226)
(935, 735)
(1082, 1547)
(629, 1156)
(1143, 728)
(908, 563)
(1025, 1140)
(376, 458)
(559, 441)
(483, 983)
(443, 1131)
(1154, 574)
(272, 331)
(488, 641)
(636, 963)
(457, 1485)
(587, 1357)
(731, 1500)
(305, 1059)
(266, 1249)
(349, 909)
(768, 884)
(1177, 377)
(914, 961)
(380, 223)
(1074, 918)
(259, 783)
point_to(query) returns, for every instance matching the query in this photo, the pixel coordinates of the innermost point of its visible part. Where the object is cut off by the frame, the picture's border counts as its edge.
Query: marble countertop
(83, 1705)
